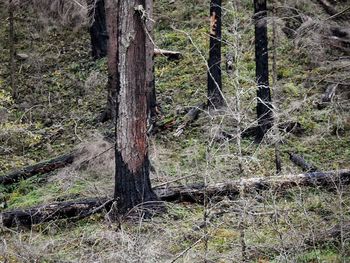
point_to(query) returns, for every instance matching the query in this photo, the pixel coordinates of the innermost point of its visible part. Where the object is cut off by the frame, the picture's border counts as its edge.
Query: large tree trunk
(264, 113)
(192, 193)
(130, 66)
(215, 98)
(98, 30)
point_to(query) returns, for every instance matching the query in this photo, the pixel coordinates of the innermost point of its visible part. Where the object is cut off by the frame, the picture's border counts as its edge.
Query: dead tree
(98, 30)
(215, 98)
(130, 66)
(264, 112)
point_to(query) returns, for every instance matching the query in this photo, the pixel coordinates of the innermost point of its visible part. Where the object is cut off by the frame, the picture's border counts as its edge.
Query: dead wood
(39, 168)
(193, 193)
(171, 55)
(302, 163)
(191, 116)
(327, 96)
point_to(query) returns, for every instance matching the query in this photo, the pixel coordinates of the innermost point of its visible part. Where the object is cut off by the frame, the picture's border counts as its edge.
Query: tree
(130, 65)
(98, 30)
(264, 112)
(215, 98)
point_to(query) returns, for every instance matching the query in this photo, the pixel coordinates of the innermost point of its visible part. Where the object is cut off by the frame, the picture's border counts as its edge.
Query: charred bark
(39, 168)
(300, 161)
(54, 211)
(196, 193)
(131, 68)
(215, 98)
(98, 29)
(264, 112)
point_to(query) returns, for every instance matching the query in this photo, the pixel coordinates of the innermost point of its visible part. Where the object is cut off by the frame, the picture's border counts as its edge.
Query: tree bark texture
(215, 98)
(39, 168)
(264, 113)
(98, 29)
(131, 69)
(192, 193)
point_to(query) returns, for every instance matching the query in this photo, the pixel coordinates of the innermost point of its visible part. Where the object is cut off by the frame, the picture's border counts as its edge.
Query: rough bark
(131, 66)
(39, 168)
(215, 98)
(193, 193)
(264, 112)
(98, 29)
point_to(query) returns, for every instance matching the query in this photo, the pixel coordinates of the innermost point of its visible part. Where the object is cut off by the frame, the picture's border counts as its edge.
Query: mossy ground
(62, 88)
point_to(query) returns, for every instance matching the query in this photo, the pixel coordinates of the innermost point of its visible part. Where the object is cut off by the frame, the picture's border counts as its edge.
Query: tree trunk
(130, 66)
(264, 113)
(98, 30)
(215, 98)
(12, 50)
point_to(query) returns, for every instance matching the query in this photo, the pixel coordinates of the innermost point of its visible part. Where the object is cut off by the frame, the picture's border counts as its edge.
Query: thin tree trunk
(12, 50)
(98, 30)
(215, 98)
(130, 65)
(264, 113)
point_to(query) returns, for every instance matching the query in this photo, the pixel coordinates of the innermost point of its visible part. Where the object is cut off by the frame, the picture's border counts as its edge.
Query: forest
(175, 131)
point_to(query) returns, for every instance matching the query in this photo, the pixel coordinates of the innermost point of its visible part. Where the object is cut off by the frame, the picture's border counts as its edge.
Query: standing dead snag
(130, 62)
(215, 98)
(98, 30)
(264, 112)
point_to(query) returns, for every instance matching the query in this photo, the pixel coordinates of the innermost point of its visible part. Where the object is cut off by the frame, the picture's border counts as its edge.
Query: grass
(61, 87)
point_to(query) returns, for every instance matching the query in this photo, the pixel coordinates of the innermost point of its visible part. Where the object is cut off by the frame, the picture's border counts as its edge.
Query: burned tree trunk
(215, 98)
(264, 113)
(98, 29)
(130, 66)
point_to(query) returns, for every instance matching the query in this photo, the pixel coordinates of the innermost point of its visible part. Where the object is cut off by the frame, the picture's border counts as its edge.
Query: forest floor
(62, 92)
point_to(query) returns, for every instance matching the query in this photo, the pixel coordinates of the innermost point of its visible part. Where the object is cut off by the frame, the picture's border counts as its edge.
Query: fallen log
(191, 116)
(300, 161)
(171, 55)
(39, 168)
(194, 193)
(53, 211)
(327, 96)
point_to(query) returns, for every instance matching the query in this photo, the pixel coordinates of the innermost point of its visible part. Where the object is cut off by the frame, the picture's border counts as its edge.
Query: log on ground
(196, 193)
(39, 168)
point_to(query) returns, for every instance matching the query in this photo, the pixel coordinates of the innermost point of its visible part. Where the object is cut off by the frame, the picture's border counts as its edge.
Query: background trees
(264, 107)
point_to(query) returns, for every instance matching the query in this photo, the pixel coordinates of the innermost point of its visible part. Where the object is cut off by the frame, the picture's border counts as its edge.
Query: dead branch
(171, 55)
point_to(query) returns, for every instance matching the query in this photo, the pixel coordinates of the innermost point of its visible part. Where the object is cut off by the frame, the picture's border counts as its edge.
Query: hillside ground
(62, 91)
